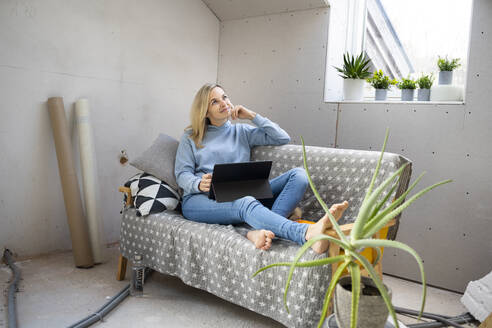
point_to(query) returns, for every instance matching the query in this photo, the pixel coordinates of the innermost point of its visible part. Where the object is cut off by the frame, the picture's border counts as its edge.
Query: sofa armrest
(128, 191)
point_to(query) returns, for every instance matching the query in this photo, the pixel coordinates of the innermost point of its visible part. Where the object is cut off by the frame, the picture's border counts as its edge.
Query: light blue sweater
(229, 143)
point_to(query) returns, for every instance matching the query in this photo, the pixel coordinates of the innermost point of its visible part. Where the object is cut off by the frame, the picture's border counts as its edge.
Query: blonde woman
(212, 139)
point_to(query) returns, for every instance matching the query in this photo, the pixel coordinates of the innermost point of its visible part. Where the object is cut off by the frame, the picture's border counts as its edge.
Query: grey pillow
(159, 159)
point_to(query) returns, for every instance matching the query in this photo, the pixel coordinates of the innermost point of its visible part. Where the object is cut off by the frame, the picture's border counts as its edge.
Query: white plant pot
(381, 94)
(353, 89)
(423, 95)
(445, 77)
(407, 94)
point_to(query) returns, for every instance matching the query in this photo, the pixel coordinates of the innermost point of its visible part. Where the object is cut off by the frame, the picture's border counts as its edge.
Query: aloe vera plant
(355, 67)
(370, 219)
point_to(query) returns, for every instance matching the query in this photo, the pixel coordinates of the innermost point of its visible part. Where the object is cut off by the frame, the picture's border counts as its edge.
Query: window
(401, 37)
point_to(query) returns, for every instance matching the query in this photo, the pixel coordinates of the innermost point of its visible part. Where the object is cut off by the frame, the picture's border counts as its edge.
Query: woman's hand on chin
(241, 112)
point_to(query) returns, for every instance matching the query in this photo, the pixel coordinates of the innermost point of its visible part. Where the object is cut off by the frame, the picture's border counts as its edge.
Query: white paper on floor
(478, 297)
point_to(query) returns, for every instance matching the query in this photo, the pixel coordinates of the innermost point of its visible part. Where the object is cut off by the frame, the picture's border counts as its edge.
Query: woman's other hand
(242, 112)
(205, 183)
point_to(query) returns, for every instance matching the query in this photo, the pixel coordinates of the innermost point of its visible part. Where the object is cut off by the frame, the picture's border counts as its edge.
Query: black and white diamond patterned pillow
(151, 195)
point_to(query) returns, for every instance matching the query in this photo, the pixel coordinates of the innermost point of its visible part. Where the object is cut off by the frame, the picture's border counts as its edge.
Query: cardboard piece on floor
(235, 180)
(487, 323)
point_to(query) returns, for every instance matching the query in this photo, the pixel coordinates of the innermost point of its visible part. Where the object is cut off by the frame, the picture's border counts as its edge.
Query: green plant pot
(373, 312)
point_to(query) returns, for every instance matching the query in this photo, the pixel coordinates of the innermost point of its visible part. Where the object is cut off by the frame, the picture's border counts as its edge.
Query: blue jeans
(288, 189)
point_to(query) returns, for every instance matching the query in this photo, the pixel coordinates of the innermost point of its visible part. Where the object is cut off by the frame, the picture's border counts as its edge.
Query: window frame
(343, 37)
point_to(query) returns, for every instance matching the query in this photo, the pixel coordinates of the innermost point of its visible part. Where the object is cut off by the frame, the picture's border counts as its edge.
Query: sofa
(219, 258)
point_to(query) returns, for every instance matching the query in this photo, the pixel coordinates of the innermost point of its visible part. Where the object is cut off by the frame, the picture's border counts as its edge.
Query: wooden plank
(347, 228)
(334, 249)
(122, 261)
(128, 191)
(379, 266)
(487, 322)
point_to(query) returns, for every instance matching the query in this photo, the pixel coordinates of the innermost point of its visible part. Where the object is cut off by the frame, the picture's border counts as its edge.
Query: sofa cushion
(159, 159)
(151, 195)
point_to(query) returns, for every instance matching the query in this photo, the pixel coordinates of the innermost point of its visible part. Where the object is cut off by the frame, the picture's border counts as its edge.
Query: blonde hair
(198, 113)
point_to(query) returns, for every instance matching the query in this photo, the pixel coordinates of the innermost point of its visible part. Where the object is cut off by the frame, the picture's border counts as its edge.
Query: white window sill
(399, 102)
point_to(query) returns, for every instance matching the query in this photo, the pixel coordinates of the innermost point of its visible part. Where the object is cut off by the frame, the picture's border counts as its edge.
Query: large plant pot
(407, 94)
(373, 312)
(423, 95)
(446, 77)
(353, 89)
(381, 94)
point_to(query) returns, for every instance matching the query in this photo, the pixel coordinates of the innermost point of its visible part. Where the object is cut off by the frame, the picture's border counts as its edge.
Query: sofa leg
(122, 261)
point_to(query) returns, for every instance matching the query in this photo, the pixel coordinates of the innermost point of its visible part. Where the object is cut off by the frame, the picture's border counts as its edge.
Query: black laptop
(235, 180)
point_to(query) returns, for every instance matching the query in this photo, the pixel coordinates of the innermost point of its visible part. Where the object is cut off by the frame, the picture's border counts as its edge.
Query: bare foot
(296, 214)
(337, 211)
(261, 238)
(316, 229)
(324, 224)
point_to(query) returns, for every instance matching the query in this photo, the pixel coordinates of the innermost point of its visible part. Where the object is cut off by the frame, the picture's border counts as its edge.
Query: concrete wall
(239, 9)
(451, 226)
(138, 63)
(275, 64)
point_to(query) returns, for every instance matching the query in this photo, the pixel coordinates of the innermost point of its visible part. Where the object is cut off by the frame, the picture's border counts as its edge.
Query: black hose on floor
(105, 309)
(13, 288)
(442, 321)
(108, 306)
(461, 319)
(86, 322)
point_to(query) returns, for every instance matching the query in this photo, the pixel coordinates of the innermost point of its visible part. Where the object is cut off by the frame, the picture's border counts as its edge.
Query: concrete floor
(53, 293)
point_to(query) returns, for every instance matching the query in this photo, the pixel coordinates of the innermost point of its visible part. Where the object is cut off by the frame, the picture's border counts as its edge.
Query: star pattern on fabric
(220, 259)
(339, 174)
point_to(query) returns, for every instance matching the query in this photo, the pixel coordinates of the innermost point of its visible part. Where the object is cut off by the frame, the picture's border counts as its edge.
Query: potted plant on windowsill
(354, 72)
(370, 219)
(446, 68)
(425, 83)
(381, 83)
(407, 86)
